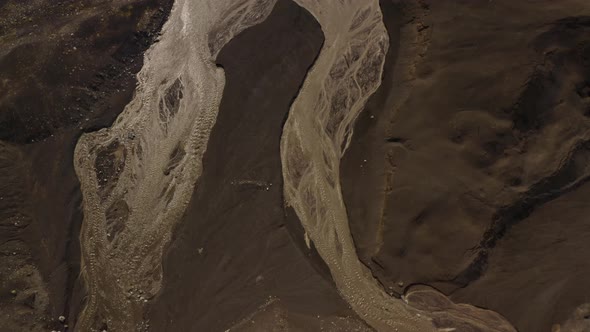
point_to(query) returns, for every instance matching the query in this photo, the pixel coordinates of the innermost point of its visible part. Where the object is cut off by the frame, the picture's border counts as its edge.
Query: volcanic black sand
(65, 67)
(471, 174)
(232, 257)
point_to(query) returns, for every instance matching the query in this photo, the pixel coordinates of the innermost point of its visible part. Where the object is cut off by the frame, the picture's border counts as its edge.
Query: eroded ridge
(137, 176)
(315, 137)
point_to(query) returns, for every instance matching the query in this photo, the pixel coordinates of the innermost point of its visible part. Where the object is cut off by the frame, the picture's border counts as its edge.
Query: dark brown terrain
(469, 173)
(234, 261)
(65, 67)
(468, 169)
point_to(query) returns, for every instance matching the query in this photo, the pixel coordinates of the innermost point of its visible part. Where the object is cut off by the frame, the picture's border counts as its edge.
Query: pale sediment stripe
(315, 137)
(137, 176)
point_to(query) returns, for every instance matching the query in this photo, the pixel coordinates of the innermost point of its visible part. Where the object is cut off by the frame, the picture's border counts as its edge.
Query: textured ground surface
(65, 67)
(233, 260)
(468, 172)
(305, 166)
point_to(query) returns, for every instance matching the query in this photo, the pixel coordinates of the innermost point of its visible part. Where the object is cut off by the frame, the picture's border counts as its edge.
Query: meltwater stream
(138, 175)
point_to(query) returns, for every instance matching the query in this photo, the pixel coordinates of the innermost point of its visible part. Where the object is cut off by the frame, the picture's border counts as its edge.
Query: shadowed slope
(466, 164)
